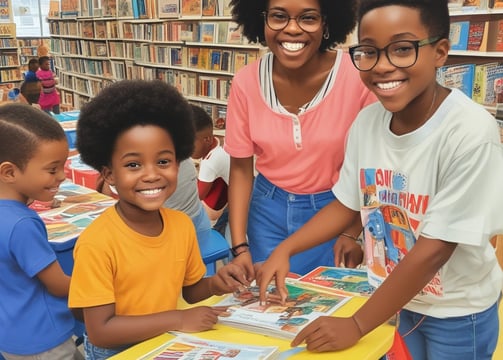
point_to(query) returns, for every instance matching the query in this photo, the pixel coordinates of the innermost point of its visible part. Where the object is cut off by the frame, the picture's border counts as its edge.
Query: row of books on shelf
(477, 35)
(10, 75)
(482, 82)
(8, 43)
(150, 9)
(9, 58)
(78, 55)
(215, 32)
(477, 4)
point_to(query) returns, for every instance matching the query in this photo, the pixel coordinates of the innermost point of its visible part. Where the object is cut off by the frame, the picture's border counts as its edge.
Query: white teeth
(388, 85)
(292, 46)
(150, 192)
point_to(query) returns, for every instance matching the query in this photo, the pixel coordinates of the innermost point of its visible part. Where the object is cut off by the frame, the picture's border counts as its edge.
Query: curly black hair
(434, 13)
(22, 128)
(340, 19)
(128, 103)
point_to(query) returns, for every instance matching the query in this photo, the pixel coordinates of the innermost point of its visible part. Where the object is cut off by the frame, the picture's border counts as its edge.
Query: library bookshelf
(198, 52)
(475, 63)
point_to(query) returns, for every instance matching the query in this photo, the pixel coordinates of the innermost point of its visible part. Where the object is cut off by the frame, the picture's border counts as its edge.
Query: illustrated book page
(302, 306)
(185, 347)
(345, 281)
(74, 209)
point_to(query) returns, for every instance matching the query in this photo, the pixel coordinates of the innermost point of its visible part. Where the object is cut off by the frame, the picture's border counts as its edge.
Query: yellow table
(371, 347)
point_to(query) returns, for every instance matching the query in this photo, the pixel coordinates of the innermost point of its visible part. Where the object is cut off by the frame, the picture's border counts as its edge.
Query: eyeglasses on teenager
(278, 20)
(401, 53)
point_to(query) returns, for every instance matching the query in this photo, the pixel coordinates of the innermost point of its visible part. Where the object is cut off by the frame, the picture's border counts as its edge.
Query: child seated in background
(49, 96)
(213, 178)
(30, 88)
(136, 259)
(34, 317)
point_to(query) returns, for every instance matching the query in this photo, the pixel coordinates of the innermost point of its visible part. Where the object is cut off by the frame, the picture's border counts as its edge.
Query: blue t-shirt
(30, 76)
(32, 320)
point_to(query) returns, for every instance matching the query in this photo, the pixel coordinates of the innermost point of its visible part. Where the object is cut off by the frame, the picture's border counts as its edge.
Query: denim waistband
(270, 190)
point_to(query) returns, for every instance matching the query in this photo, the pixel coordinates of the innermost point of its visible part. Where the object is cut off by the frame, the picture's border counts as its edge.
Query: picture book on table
(388, 230)
(345, 281)
(76, 207)
(302, 306)
(190, 347)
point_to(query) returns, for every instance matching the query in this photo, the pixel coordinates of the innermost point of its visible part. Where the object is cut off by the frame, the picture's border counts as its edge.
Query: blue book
(457, 77)
(458, 35)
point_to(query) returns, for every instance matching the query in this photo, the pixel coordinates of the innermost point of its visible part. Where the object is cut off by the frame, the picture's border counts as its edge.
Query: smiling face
(143, 169)
(42, 175)
(407, 90)
(292, 46)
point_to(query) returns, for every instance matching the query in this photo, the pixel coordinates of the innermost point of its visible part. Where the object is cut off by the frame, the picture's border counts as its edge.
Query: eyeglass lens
(278, 20)
(401, 54)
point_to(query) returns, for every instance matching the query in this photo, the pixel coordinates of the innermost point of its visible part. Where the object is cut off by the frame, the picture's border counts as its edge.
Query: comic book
(340, 280)
(302, 306)
(185, 347)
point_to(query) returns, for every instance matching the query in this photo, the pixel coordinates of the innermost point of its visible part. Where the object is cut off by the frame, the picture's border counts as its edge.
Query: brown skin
(411, 103)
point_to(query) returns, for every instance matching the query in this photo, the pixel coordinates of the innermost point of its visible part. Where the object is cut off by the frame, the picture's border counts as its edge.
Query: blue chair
(64, 254)
(215, 249)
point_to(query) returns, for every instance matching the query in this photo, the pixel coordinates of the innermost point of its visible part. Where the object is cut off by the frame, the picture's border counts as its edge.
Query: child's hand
(347, 253)
(200, 318)
(228, 279)
(328, 333)
(245, 261)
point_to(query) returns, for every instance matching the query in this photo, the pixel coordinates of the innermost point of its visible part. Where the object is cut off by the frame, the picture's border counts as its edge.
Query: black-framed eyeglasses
(401, 53)
(278, 20)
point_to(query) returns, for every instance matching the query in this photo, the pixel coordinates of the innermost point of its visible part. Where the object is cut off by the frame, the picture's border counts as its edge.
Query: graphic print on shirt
(389, 224)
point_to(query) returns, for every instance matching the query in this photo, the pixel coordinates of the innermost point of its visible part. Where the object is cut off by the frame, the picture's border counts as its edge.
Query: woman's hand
(275, 267)
(244, 260)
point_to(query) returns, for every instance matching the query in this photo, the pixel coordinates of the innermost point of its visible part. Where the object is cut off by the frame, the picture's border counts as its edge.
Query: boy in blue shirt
(34, 317)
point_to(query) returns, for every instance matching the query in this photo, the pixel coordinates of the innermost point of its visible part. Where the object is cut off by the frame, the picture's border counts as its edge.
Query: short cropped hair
(43, 59)
(128, 103)
(434, 14)
(339, 15)
(32, 62)
(22, 129)
(202, 120)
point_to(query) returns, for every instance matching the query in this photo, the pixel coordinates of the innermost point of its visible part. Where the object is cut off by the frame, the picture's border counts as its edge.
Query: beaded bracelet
(235, 248)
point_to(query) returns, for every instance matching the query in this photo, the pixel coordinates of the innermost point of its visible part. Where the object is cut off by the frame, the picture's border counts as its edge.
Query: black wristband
(234, 248)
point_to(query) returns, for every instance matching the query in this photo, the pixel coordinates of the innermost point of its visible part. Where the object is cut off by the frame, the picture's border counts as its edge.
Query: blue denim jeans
(470, 337)
(93, 352)
(275, 214)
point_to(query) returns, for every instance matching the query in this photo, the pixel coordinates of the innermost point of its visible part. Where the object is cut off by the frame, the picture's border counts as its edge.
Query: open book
(185, 347)
(339, 280)
(302, 306)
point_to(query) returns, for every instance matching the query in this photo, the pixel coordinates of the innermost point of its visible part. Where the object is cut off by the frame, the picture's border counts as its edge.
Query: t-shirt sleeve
(238, 141)
(346, 189)
(195, 265)
(30, 246)
(465, 206)
(92, 278)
